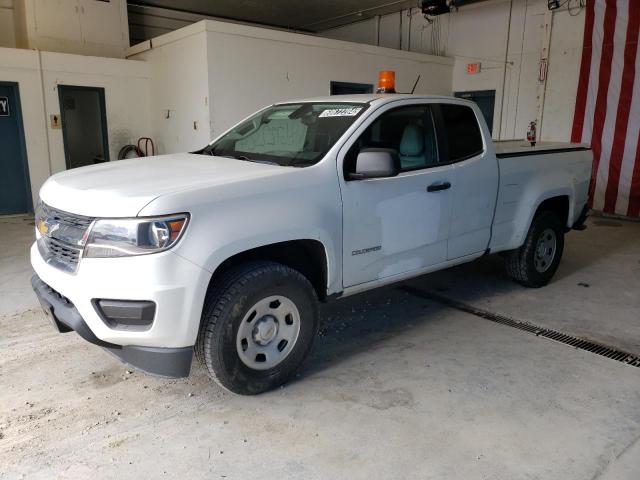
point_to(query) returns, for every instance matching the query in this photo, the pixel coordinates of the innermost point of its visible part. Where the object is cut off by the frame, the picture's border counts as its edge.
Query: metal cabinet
(87, 27)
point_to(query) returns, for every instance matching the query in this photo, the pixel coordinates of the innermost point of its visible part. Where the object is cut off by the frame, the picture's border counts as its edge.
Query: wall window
(349, 88)
(407, 130)
(462, 132)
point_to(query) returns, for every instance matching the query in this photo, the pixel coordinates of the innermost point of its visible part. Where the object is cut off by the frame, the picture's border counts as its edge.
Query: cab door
(398, 224)
(477, 177)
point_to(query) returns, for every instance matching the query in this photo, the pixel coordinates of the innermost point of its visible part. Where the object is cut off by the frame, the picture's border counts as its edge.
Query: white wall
(361, 32)
(179, 111)
(403, 30)
(126, 85)
(265, 66)
(521, 87)
(564, 72)
(7, 30)
(479, 33)
(216, 73)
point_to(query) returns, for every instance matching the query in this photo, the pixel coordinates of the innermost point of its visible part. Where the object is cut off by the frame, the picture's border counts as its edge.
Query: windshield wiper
(254, 160)
(266, 162)
(235, 157)
(212, 152)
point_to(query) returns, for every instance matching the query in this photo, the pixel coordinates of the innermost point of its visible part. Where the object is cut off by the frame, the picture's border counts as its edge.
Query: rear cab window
(460, 137)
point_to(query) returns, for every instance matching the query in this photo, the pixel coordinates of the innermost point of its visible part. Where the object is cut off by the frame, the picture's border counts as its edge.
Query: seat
(412, 153)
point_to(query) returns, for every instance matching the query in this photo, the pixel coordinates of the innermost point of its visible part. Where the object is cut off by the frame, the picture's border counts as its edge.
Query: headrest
(412, 142)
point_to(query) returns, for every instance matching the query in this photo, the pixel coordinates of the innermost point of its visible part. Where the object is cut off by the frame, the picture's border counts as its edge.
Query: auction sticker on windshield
(340, 112)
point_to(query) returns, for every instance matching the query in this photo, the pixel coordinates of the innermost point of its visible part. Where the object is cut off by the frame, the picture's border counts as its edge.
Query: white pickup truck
(226, 251)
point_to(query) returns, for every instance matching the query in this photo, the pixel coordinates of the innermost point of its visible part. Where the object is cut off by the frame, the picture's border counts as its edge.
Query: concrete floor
(396, 387)
(595, 294)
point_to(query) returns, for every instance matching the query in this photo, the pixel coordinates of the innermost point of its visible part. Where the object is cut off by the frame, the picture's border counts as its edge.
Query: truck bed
(528, 175)
(521, 148)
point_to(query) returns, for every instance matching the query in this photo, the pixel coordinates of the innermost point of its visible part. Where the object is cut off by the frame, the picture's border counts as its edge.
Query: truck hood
(122, 188)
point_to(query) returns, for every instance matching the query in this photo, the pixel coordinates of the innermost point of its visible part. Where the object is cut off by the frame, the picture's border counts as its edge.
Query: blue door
(15, 195)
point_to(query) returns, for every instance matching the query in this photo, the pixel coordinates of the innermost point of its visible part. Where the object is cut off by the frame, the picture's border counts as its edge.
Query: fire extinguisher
(531, 133)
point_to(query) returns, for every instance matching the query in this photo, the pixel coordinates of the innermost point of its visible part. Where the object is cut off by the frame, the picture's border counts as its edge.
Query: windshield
(295, 134)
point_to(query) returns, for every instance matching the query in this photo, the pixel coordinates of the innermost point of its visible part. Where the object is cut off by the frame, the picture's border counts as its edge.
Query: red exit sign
(473, 68)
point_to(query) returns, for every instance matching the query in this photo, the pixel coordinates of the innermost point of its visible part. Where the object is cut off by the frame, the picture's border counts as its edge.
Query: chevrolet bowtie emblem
(46, 228)
(43, 228)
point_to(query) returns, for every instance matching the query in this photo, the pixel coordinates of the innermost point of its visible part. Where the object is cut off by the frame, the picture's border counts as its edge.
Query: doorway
(349, 88)
(84, 125)
(486, 100)
(15, 189)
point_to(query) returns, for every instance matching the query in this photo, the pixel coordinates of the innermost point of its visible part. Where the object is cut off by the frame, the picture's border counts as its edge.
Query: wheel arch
(558, 201)
(555, 200)
(307, 256)
(559, 204)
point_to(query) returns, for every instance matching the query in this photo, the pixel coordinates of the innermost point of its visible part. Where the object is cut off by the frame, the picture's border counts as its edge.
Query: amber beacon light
(386, 82)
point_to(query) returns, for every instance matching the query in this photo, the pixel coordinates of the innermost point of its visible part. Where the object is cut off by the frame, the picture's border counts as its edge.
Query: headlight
(134, 236)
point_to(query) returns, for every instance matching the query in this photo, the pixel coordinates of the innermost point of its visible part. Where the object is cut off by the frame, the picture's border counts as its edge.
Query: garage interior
(457, 374)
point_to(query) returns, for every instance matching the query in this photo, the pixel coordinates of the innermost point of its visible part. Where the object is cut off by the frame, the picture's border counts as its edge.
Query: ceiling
(303, 15)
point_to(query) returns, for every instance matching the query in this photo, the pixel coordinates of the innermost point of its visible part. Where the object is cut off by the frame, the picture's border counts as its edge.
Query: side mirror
(376, 163)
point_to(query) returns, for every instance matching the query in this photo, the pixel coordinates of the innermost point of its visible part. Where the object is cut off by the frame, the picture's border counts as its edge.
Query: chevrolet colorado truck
(226, 251)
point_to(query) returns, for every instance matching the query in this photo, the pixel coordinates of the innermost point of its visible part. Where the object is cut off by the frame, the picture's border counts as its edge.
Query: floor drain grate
(588, 345)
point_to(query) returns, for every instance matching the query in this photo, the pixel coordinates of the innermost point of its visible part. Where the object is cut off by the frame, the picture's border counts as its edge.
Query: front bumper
(175, 285)
(165, 362)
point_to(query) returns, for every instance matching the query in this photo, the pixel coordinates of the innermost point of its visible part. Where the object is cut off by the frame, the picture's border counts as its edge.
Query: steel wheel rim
(545, 250)
(268, 332)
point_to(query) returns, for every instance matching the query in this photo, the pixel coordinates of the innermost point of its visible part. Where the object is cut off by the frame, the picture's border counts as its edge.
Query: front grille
(62, 237)
(63, 253)
(70, 219)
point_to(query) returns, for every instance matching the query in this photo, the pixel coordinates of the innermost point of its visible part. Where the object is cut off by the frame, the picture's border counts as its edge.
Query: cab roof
(371, 98)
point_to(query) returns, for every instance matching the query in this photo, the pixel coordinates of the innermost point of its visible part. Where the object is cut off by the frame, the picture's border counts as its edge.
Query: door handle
(436, 187)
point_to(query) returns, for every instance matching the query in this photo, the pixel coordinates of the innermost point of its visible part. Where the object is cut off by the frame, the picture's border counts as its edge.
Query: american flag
(607, 113)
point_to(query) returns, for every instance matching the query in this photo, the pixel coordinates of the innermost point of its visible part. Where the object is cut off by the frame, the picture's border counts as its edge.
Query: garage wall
(236, 69)
(7, 30)
(488, 33)
(266, 66)
(126, 85)
(403, 30)
(179, 109)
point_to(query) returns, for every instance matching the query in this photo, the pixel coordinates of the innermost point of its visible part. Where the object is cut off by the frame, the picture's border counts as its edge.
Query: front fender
(303, 204)
(228, 250)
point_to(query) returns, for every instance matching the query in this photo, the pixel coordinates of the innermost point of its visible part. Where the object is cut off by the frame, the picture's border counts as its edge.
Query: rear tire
(258, 325)
(536, 261)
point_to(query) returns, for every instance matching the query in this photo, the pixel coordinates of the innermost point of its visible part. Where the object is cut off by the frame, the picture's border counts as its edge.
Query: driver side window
(408, 130)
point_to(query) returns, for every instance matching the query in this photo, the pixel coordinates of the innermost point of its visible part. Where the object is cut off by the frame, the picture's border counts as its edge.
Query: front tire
(536, 261)
(258, 325)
